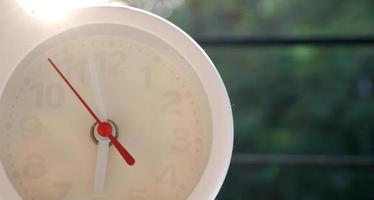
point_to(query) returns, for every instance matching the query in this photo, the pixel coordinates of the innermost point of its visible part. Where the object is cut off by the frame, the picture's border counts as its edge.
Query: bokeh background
(303, 112)
(300, 77)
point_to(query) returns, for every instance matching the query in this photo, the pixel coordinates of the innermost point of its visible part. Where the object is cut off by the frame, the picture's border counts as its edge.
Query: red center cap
(105, 129)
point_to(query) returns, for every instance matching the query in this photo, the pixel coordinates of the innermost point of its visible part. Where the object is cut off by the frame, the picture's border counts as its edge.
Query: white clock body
(21, 34)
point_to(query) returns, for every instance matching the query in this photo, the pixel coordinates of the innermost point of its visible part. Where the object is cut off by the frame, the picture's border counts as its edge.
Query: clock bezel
(222, 138)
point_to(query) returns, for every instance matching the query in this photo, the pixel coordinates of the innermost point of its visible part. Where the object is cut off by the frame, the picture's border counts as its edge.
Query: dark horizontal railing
(286, 41)
(313, 161)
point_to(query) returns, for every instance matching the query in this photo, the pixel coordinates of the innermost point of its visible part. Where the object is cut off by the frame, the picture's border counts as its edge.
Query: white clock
(110, 103)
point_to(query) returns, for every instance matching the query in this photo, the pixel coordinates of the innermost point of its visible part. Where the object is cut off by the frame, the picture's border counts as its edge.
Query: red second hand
(124, 153)
(105, 129)
(74, 91)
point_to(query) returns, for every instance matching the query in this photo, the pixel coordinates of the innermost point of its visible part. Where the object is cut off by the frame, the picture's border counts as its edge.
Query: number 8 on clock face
(156, 100)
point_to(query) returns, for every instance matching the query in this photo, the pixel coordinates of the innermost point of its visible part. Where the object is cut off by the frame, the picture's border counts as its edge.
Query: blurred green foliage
(293, 100)
(275, 17)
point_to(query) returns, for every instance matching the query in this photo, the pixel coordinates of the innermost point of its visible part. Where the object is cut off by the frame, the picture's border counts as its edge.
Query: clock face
(152, 96)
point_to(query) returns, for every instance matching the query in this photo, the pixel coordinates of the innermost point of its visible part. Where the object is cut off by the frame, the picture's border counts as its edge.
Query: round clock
(110, 104)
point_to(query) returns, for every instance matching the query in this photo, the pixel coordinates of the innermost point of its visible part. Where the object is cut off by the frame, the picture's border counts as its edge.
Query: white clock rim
(222, 140)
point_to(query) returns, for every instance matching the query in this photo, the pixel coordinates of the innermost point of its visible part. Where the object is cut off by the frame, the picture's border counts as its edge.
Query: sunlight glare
(54, 9)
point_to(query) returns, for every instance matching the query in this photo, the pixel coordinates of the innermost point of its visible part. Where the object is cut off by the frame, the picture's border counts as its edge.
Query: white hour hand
(101, 164)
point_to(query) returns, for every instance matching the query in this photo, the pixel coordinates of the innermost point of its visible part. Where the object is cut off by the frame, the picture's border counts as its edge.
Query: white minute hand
(103, 148)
